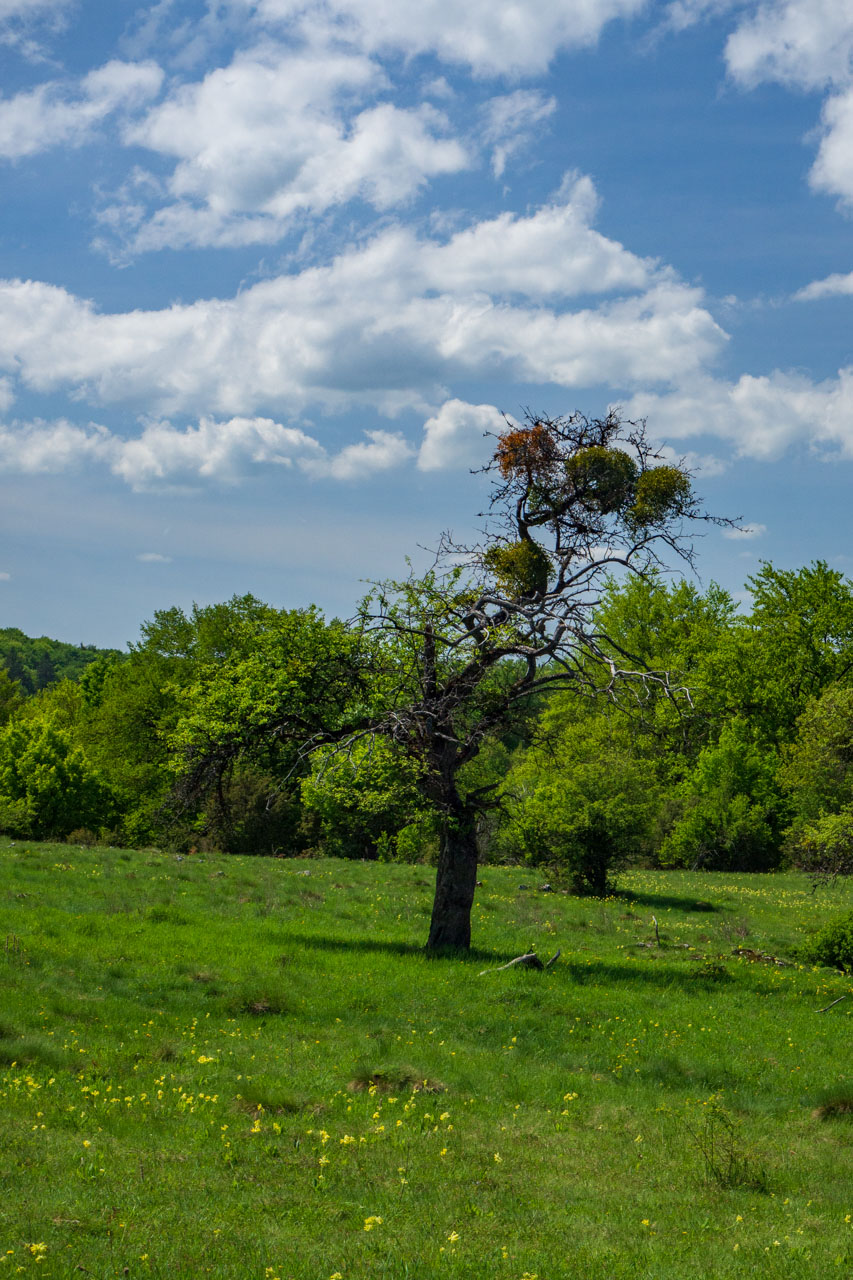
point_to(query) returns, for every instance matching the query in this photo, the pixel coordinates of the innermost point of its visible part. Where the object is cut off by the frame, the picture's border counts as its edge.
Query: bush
(831, 945)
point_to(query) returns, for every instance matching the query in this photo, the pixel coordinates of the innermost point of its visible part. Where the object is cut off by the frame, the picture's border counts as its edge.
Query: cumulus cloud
(803, 43)
(57, 112)
(454, 437)
(760, 417)
(837, 285)
(381, 451)
(389, 323)
(51, 447)
(276, 134)
(509, 123)
(164, 457)
(492, 37)
(832, 170)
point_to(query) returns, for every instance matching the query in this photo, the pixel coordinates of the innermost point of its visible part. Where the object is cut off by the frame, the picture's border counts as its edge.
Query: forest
(749, 771)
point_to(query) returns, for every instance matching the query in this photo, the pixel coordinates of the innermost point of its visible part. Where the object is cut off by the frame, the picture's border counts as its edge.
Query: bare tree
(461, 651)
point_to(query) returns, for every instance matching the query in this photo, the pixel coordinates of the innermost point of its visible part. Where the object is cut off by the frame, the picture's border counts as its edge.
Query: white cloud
(761, 417)
(7, 394)
(684, 13)
(219, 451)
(153, 557)
(837, 285)
(30, 8)
(167, 458)
(51, 447)
(509, 123)
(382, 451)
(389, 324)
(454, 437)
(805, 43)
(56, 112)
(277, 134)
(832, 170)
(5, 577)
(746, 531)
(490, 36)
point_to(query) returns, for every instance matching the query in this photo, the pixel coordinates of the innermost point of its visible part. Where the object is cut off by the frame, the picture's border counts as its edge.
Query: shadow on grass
(473, 955)
(593, 972)
(661, 900)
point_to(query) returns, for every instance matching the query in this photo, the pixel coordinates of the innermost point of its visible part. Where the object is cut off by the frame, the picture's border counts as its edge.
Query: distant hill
(36, 663)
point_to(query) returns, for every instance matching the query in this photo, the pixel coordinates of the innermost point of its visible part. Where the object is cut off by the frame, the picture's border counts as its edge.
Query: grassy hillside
(237, 1067)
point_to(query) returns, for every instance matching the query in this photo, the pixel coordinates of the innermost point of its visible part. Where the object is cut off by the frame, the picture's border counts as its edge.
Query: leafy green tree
(818, 775)
(11, 697)
(45, 672)
(582, 799)
(127, 709)
(662, 625)
(818, 770)
(47, 786)
(800, 640)
(364, 799)
(257, 686)
(732, 810)
(16, 669)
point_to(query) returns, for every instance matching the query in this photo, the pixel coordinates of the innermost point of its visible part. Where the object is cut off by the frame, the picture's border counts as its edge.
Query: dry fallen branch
(829, 1006)
(529, 960)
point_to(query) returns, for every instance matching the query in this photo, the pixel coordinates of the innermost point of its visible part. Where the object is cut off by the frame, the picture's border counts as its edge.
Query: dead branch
(529, 960)
(829, 1006)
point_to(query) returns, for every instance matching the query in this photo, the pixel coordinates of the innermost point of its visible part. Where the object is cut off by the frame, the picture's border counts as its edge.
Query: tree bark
(455, 882)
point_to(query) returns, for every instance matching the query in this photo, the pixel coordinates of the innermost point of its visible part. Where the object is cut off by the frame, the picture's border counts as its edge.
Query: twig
(829, 1006)
(657, 932)
(554, 958)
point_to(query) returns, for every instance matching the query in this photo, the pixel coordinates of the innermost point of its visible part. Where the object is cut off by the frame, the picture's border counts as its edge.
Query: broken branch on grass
(829, 1006)
(529, 960)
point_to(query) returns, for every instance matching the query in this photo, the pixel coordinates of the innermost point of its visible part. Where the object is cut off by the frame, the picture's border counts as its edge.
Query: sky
(271, 270)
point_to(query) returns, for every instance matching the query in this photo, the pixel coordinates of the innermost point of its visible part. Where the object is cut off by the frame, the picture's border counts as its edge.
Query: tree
(583, 799)
(573, 501)
(732, 811)
(441, 664)
(253, 685)
(818, 774)
(47, 785)
(363, 800)
(10, 696)
(799, 640)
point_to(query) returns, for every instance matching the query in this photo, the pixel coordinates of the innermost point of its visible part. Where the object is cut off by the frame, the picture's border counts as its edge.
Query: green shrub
(831, 945)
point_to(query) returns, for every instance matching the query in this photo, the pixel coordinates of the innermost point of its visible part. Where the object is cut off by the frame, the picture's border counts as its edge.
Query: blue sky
(270, 268)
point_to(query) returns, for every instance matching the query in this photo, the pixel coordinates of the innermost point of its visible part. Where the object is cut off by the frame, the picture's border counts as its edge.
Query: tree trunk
(455, 882)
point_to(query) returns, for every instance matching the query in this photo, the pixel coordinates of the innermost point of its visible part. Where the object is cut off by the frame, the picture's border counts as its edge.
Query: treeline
(735, 751)
(36, 663)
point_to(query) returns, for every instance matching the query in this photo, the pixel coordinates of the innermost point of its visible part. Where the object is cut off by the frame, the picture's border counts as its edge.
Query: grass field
(245, 1067)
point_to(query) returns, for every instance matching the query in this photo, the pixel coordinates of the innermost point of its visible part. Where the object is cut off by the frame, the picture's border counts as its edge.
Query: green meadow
(247, 1067)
